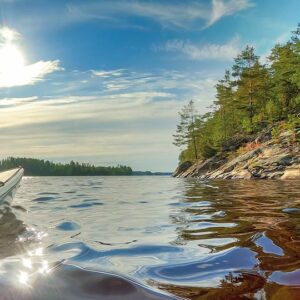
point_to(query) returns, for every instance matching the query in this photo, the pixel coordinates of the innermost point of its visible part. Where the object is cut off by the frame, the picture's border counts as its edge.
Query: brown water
(151, 238)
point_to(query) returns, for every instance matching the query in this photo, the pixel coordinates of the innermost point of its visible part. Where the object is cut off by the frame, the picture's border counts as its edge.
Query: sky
(103, 81)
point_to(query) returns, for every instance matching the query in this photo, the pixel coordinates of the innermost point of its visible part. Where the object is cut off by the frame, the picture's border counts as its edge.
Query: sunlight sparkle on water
(27, 263)
(23, 278)
(44, 269)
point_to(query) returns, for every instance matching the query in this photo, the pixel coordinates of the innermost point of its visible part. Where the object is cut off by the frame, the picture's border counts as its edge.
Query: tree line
(40, 167)
(251, 96)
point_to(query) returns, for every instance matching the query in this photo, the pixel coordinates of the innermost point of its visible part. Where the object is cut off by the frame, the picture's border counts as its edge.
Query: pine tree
(225, 105)
(186, 133)
(249, 96)
(245, 70)
(285, 65)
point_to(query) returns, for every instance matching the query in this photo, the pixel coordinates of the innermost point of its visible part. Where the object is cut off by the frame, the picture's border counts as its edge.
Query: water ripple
(193, 239)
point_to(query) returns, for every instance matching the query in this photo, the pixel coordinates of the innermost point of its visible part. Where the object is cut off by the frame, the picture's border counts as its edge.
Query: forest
(252, 96)
(40, 167)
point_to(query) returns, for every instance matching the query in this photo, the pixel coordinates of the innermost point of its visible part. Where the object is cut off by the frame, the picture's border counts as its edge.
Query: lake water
(150, 238)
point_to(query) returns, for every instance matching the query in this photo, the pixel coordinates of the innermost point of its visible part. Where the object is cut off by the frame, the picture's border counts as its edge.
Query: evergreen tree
(226, 106)
(39, 167)
(285, 64)
(186, 133)
(246, 71)
(249, 97)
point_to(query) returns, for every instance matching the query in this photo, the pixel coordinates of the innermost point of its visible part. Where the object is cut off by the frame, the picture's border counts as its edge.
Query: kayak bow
(9, 182)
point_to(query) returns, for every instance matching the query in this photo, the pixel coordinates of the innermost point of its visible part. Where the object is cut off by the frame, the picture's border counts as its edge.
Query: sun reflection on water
(23, 278)
(33, 266)
(27, 263)
(44, 269)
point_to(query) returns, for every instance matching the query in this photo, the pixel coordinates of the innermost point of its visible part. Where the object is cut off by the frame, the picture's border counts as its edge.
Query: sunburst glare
(11, 64)
(13, 68)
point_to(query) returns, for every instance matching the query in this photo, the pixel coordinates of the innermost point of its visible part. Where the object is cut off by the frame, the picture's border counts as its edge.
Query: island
(40, 167)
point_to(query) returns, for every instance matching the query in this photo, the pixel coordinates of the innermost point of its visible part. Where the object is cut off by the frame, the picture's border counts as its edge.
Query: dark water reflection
(155, 236)
(252, 229)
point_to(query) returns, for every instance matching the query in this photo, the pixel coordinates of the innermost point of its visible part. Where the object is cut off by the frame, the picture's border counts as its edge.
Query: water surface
(150, 238)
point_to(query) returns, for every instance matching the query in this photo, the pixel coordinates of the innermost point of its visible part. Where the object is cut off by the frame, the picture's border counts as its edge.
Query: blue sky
(102, 81)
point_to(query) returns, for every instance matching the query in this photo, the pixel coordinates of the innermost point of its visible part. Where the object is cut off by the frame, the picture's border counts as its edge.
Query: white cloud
(115, 127)
(28, 75)
(7, 34)
(222, 8)
(106, 74)
(13, 70)
(110, 108)
(16, 101)
(121, 126)
(181, 15)
(203, 52)
(131, 124)
(192, 84)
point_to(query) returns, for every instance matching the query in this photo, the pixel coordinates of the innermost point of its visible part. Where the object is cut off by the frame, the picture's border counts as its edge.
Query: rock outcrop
(266, 159)
(182, 168)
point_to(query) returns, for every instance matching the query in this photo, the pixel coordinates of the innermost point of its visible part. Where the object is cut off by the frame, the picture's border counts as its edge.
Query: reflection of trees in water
(232, 287)
(249, 214)
(239, 287)
(10, 230)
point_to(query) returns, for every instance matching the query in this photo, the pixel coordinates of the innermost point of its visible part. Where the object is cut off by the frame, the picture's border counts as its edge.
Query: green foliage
(207, 151)
(276, 133)
(272, 111)
(293, 122)
(250, 97)
(39, 167)
(187, 128)
(247, 125)
(186, 155)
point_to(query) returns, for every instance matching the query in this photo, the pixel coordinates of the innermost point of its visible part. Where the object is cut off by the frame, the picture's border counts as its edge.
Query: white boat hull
(9, 182)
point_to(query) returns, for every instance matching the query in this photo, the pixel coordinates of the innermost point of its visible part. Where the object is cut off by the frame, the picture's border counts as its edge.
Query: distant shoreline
(40, 167)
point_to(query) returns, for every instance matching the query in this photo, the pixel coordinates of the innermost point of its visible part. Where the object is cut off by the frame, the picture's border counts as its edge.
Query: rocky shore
(265, 157)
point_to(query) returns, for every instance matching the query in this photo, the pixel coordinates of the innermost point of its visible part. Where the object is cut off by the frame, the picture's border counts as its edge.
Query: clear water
(150, 238)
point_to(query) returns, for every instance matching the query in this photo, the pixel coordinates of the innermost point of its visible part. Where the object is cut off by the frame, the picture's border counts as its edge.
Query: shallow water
(150, 238)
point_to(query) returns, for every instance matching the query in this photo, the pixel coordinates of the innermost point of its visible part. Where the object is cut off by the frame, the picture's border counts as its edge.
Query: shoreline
(262, 158)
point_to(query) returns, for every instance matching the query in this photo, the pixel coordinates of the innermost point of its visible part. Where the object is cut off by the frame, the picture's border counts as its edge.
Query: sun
(12, 62)
(14, 70)
(11, 59)
(12, 65)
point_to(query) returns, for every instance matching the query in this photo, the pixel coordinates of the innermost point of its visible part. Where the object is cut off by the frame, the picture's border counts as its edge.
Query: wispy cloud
(202, 52)
(182, 15)
(107, 74)
(8, 102)
(91, 128)
(221, 8)
(8, 35)
(99, 124)
(29, 74)
(13, 70)
(192, 84)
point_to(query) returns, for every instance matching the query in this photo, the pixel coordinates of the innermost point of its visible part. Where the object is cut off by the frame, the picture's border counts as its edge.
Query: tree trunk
(194, 138)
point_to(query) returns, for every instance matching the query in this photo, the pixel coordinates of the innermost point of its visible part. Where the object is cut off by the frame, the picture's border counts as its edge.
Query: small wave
(87, 253)
(85, 205)
(44, 199)
(68, 226)
(209, 269)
